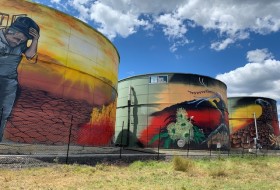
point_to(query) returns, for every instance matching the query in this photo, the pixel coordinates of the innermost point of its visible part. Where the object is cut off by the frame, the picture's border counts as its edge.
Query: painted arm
(32, 49)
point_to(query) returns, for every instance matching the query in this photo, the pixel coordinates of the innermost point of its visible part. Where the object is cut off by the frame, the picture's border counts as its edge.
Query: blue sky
(235, 41)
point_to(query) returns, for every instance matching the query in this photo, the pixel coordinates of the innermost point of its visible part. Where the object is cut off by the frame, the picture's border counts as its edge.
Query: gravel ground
(111, 157)
(114, 157)
(21, 162)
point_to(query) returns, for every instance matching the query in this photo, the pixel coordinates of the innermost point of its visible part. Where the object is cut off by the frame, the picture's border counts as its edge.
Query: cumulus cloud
(115, 22)
(259, 77)
(82, 6)
(233, 20)
(173, 27)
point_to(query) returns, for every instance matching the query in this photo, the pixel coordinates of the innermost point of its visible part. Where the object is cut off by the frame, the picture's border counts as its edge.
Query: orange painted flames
(101, 128)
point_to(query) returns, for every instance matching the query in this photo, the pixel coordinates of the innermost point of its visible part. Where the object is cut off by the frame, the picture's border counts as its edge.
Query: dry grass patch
(180, 173)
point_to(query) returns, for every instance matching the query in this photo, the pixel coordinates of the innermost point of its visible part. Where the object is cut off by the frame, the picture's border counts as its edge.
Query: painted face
(16, 39)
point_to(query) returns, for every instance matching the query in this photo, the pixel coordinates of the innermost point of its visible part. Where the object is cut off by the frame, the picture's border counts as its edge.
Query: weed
(137, 165)
(218, 172)
(101, 167)
(146, 164)
(182, 164)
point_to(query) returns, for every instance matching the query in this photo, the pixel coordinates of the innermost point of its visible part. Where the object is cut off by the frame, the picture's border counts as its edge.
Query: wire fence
(57, 142)
(93, 154)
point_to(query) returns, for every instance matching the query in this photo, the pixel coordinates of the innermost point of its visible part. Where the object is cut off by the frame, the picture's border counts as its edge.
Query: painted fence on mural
(172, 111)
(251, 119)
(66, 78)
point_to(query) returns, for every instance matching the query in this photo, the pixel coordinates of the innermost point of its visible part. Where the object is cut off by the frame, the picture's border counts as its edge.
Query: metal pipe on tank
(128, 113)
(256, 127)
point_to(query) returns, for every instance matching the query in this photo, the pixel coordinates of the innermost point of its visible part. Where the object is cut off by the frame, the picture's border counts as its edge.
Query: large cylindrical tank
(253, 117)
(69, 88)
(172, 110)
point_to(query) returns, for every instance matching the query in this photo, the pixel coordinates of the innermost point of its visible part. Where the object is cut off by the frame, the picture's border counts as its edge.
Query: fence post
(229, 143)
(69, 138)
(158, 141)
(2, 110)
(210, 147)
(189, 143)
(2, 132)
(242, 149)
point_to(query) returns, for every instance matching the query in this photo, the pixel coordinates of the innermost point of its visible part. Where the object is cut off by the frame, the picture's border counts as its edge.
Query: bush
(182, 164)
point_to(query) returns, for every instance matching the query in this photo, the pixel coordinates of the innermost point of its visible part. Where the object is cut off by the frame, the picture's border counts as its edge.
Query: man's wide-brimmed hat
(23, 24)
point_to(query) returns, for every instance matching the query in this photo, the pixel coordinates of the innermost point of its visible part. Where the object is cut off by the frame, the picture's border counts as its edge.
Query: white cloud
(266, 24)
(232, 38)
(260, 77)
(173, 27)
(82, 6)
(259, 55)
(232, 20)
(178, 43)
(222, 45)
(55, 1)
(114, 22)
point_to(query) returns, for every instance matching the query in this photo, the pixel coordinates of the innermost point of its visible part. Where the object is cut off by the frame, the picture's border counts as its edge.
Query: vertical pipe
(257, 136)
(128, 115)
(256, 127)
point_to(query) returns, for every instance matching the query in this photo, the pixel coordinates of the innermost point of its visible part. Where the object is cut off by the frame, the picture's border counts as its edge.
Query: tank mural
(56, 74)
(253, 122)
(172, 111)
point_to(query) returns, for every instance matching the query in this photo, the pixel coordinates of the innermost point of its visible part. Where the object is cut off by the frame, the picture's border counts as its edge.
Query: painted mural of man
(13, 44)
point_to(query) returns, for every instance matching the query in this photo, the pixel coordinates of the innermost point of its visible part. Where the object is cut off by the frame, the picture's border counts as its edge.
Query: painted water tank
(65, 83)
(172, 110)
(253, 118)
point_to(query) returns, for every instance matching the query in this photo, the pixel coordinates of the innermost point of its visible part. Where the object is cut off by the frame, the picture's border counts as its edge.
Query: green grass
(180, 173)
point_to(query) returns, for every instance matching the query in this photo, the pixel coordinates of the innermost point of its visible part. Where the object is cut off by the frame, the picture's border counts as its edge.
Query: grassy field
(180, 173)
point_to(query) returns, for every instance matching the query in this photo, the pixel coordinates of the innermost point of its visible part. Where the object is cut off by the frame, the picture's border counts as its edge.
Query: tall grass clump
(182, 164)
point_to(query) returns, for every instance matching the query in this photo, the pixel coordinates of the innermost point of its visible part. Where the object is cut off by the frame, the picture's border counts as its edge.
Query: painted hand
(34, 33)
